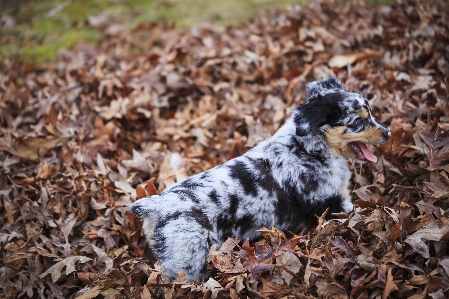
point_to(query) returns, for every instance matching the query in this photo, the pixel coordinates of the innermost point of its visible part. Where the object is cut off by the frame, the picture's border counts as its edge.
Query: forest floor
(86, 133)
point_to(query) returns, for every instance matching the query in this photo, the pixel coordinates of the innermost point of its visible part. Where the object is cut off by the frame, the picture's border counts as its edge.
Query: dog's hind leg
(181, 243)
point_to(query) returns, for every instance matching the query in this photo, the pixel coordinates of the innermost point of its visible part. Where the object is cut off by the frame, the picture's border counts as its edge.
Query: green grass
(43, 27)
(225, 12)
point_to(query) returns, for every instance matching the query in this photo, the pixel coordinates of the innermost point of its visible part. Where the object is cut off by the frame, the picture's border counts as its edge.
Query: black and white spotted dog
(284, 181)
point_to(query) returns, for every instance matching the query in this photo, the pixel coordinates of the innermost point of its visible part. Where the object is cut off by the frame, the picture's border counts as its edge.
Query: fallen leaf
(340, 61)
(433, 231)
(33, 147)
(68, 262)
(92, 293)
(390, 285)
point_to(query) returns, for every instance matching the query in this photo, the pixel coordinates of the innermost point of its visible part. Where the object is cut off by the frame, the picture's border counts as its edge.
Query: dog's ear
(317, 110)
(317, 87)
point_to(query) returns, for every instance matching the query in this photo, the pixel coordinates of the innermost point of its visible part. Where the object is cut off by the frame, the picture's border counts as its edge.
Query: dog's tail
(144, 206)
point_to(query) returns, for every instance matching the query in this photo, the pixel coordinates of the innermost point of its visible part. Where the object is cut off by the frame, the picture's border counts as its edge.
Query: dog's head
(344, 117)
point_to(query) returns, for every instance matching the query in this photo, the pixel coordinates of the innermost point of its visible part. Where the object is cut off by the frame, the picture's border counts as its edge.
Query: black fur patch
(186, 194)
(162, 222)
(264, 175)
(234, 200)
(243, 225)
(316, 112)
(226, 225)
(161, 245)
(317, 87)
(190, 184)
(213, 195)
(334, 203)
(299, 150)
(186, 190)
(199, 216)
(244, 176)
(289, 206)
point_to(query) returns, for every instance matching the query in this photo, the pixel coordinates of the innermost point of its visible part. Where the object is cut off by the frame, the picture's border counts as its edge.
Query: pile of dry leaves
(154, 105)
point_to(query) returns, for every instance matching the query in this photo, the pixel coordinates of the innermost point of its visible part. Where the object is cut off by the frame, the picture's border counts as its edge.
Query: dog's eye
(359, 121)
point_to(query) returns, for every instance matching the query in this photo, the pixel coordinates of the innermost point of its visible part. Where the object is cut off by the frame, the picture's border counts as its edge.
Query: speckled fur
(284, 181)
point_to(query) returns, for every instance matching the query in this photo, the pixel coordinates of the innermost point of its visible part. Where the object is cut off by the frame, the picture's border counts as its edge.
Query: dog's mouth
(362, 152)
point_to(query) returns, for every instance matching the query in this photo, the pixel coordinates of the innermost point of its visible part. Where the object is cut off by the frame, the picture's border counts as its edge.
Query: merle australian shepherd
(284, 181)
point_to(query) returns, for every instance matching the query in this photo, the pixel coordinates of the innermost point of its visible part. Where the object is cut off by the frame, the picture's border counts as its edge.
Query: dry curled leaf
(69, 263)
(433, 231)
(340, 61)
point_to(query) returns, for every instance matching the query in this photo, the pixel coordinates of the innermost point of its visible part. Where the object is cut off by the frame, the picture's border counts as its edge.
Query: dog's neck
(314, 142)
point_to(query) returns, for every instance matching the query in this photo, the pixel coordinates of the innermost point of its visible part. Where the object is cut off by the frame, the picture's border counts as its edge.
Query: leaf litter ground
(84, 136)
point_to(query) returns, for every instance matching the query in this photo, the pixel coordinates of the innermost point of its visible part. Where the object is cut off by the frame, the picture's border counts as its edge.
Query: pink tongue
(368, 155)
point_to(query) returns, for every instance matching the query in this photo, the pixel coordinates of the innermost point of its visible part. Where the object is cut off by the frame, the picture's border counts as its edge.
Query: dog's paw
(347, 206)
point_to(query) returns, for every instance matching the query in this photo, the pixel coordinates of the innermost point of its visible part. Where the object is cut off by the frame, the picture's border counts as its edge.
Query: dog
(284, 181)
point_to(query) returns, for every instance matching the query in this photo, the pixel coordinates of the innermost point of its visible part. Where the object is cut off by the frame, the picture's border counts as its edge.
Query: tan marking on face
(338, 141)
(363, 113)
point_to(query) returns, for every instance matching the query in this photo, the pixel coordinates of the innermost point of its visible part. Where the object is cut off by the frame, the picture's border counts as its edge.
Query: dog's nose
(387, 134)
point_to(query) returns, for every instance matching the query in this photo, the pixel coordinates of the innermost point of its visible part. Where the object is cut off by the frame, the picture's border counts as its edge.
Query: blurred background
(35, 30)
